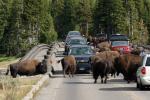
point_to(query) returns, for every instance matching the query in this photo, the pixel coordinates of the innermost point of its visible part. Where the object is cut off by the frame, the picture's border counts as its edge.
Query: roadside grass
(16, 88)
(4, 60)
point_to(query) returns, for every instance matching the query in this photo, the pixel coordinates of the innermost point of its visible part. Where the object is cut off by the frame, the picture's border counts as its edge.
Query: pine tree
(84, 15)
(57, 7)
(47, 31)
(5, 6)
(132, 19)
(109, 17)
(12, 30)
(68, 16)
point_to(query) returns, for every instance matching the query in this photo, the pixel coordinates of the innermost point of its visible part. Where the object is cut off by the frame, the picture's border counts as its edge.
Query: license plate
(82, 69)
(81, 60)
(121, 49)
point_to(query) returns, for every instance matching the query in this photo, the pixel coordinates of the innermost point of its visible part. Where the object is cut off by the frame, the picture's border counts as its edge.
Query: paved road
(81, 87)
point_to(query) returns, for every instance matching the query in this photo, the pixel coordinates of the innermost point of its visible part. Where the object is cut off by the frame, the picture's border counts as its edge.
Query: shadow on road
(58, 72)
(78, 82)
(119, 81)
(119, 89)
(82, 74)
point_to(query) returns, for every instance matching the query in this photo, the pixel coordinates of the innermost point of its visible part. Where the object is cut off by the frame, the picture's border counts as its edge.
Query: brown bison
(68, 65)
(103, 64)
(27, 67)
(103, 45)
(128, 64)
(102, 67)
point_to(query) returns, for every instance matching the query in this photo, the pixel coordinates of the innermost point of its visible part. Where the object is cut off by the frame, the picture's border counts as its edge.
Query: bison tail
(8, 69)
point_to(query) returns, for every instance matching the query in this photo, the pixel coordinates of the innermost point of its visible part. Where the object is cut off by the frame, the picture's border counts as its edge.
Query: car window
(119, 37)
(119, 43)
(73, 33)
(77, 41)
(81, 51)
(148, 61)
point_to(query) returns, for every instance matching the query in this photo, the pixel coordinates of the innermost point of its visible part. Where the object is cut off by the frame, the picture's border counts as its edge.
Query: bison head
(41, 68)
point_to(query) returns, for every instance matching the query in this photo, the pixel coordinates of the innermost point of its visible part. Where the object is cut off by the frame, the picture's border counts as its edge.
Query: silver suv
(143, 72)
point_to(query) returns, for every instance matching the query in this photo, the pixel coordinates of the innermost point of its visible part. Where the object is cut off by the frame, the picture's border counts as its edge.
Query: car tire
(137, 85)
(141, 86)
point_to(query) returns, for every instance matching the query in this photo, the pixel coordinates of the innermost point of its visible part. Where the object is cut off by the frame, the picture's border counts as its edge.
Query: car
(118, 37)
(75, 41)
(75, 33)
(120, 42)
(72, 34)
(122, 46)
(143, 72)
(82, 54)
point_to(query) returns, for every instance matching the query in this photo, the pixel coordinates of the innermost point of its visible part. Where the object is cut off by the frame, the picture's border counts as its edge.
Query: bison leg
(73, 70)
(95, 78)
(13, 72)
(64, 74)
(102, 80)
(102, 76)
(69, 74)
(95, 81)
(105, 81)
(65, 70)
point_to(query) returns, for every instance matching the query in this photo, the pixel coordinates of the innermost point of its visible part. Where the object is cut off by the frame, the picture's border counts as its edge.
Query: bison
(105, 45)
(68, 65)
(102, 67)
(103, 64)
(128, 64)
(27, 67)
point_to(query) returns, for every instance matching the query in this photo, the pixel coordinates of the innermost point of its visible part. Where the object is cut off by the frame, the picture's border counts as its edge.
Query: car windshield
(148, 61)
(74, 33)
(81, 51)
(119, 37)
(119, 43)
(77, 41)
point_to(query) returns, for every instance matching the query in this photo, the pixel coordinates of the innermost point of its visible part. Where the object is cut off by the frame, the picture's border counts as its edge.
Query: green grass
(6, 58)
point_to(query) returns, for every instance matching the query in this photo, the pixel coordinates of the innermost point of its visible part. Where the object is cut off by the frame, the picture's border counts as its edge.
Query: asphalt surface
(81, 87)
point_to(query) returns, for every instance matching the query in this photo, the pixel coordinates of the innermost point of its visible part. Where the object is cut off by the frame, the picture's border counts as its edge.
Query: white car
(143, 72)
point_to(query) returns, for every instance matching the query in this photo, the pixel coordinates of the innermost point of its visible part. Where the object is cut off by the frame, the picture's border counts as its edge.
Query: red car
(122, 46)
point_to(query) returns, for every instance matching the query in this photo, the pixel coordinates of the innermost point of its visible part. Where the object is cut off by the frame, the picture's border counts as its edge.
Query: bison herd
(105, 62)
(111, 62)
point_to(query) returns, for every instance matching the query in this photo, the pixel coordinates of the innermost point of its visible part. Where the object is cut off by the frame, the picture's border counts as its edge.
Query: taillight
(143, 70)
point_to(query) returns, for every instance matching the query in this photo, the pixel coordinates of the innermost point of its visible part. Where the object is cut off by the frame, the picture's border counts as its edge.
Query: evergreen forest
(25, 23)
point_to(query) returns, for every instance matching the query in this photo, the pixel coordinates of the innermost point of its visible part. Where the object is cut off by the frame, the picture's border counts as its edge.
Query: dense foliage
(24, 23)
